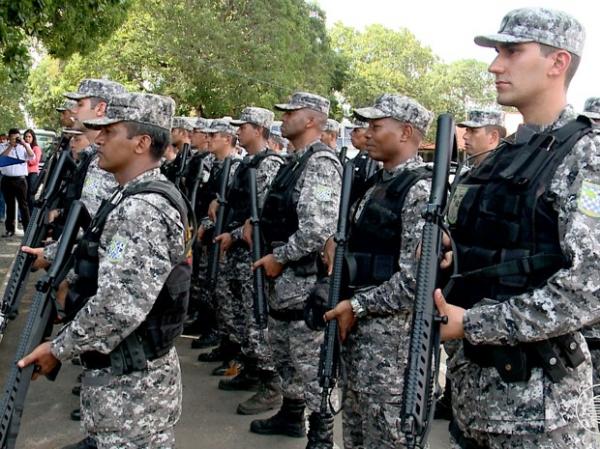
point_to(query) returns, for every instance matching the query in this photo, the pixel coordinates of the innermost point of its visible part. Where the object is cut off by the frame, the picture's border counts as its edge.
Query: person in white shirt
(14, 180)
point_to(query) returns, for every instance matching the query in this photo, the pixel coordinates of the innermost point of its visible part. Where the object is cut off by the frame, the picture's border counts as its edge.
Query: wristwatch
(357, 308)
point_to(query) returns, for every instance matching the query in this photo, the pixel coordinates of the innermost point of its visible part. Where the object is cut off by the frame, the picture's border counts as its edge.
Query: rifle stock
(38, 326)
(215, 249)
(185, 155)
(328, 359)
(424, 349)
(34, 235)
(260, 302)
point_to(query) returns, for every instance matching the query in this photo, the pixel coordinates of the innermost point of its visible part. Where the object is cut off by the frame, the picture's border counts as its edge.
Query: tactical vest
(364, 168)
(279, 219)
(209, 191)
(505, 227)
(376, 229)
(164, 323)
(75, 187)
(193, 169)
(238, 196)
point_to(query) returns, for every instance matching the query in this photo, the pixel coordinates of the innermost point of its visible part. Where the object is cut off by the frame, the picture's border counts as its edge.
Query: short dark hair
(13, 131)
(546, 50)
(94, 101)
(34, 141)
(500, 129)
(266, 133)
(234, 139)
(160, 137)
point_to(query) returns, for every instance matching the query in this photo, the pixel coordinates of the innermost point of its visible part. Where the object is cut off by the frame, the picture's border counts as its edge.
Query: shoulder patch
(116, 249)
(588, 201)
(323, 193)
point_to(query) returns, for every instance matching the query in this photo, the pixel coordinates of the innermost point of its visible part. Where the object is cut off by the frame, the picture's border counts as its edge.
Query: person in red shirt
(33, 166)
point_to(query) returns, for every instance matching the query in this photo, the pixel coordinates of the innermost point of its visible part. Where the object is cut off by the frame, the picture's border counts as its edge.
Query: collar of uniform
(300, 151)
(525, 131)
(153, 173)
(412, 162)
(249, 156)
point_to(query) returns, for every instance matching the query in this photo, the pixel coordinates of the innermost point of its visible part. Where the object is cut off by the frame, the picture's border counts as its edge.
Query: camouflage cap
(398, 107)
(257, 116)
(591, 108)
(477, 118)
(186, 123)
(301, 100)
(68, 105)
(545, 26)
(100, 88)
(140, 108)
(356, 123)
(71, 131)
(201, 123)
(221, 126)
(332, 126)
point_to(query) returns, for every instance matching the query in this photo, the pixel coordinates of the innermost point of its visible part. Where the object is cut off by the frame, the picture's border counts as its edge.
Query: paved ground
(209, 420)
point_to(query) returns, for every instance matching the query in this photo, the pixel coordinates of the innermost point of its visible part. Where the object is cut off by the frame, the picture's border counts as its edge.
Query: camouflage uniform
(136, 410)
(539, 412)
(591, 108)
(375, 354)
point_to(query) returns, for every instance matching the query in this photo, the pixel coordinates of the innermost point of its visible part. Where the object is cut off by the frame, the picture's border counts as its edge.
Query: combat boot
(320, 431)
(86, 443)
(289, 420)
(268, 396)
(207, 340)
(246, 380)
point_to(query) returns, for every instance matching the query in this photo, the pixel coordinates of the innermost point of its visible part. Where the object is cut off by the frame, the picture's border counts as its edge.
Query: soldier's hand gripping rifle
(38, 326)
(215, 248)
(329, 356)
(180, 169)
(424, 350)
(261, 310)
(35, 233)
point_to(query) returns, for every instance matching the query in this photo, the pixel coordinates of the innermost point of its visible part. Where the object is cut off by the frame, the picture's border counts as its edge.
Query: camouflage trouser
(296, 351)
(370, 420)
(136, 410)
(233, 276)
(563, 438)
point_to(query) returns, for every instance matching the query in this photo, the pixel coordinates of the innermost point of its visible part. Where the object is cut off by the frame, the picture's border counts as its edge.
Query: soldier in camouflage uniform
(135, 407)
(181, 135)
(591, 109)
(299, 213)
(483, 130)
(384, 226)
(222, 142)
(364, 166)
(330, 134)
(67, 117)
(258, 369)
(525, 226)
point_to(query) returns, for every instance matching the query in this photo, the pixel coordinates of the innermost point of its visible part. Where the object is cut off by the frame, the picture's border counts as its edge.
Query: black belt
(95, 360)
(593, 343)
(286, 315)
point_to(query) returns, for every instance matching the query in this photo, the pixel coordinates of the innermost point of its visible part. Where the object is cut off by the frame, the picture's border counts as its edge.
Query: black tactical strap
(524, 265)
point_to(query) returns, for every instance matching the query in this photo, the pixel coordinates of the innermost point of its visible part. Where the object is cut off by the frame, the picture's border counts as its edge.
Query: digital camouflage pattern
(97, 186)
(301, 100)
(67, 105)
(332, 126)
(147, 109)
(142, 241)
(221, 126)
(569, 300)
(545, 26)
(477, 118)
(399, 107)
(591, 108)
(357, 123)
(202, 123)
(257, 116)
(186, 123)
(97, 88)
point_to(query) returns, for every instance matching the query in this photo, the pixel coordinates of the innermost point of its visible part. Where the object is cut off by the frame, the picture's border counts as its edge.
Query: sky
(448, 28)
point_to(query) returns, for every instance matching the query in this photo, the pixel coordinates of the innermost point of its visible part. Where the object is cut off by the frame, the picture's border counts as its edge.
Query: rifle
(38, 326)
(180, 170)
(328, 358)
(34, 235)
(215, 250)
(197, 180)
(260, 301)
(343, 153)
(60, 146)
(424, 350)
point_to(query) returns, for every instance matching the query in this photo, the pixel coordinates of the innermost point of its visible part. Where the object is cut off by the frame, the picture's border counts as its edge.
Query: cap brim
(470, 124)
(592, 115)
(491, 40)
(98, 123)
(288, 107)
(75, 96)
(71, 131)
(238, 122)
(370, 113)
(61, 109)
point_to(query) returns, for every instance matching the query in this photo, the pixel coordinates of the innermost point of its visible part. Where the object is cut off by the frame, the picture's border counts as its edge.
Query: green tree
(61, 26)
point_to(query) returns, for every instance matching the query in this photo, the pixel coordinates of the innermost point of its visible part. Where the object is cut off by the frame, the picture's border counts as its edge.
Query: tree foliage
(61, 26)
(213, 56)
